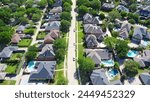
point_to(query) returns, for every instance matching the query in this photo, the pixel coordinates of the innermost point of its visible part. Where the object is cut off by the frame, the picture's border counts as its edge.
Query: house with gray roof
(89, 19)
(125, 29)
(145, 78)
(95, 30)
(3, 67)
(122, 8)
(7, 51)
(54, 25)
(20, 29)
(2, 75)
(47, 53)
(57, 3)
(44, 71)
(56, 9)
(98, 77)
(145, 12)
(53, 17)
(108, 6)
(98, 55)
(91, 41)
(144, 60)
(139, 34)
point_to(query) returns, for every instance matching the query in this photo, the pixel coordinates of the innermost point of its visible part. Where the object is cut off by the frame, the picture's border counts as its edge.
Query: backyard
(11, 68)
(16, 56)
(24, 42)
(8, 82)
(41, 35)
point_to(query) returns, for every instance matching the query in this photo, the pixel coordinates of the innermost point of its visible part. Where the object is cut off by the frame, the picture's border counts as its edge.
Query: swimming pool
(108, 63)
(112, 73)
(31, 66)
(132, 53)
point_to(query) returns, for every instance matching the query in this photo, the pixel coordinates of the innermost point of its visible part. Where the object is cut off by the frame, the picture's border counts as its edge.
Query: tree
(29, 3)
(36, 17)
(59, 44)
(65, 16)
(50, 2)
(13, 7)
(5, 14)
(110, 26)
(115, 34)
(122, 48)
(83, 2)
(67, 7)
(42, 3)
(65, 25)
(102, 16)
(131, 68)
(133, 7)
(86, 64)
(60, 55)
(104, 27)
(123, 14)
(116, 66)
(30, 55)
(68, 1)
(114, 15)
(132, 21)
(110, 42)
(95, 4)
(82, 10)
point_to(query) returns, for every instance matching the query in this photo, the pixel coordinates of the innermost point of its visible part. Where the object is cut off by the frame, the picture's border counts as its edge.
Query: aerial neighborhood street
(74, 42)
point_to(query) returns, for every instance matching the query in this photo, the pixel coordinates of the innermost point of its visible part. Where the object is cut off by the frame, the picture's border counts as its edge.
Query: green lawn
(80, 33)
(16, 56)
(8, 82)
(24, 42)
(41, 35)
(11, 68)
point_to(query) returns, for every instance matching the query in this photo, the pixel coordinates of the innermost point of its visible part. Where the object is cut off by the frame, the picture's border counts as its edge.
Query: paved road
(71, 65)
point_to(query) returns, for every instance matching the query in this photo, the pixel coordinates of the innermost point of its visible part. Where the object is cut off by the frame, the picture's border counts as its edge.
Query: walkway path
(71, 65)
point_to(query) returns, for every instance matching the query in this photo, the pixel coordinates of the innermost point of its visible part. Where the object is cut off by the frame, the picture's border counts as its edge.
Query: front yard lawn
(8, 82)
(24, 42)
(11, 68)
(41, 35)
(16, 56)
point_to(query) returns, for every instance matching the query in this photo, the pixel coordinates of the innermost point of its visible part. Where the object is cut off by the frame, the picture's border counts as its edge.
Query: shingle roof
(91, 41)
(98, 77)
(122, 8)
(21, 28)
(2, 75)
(56, 9)
(87, 18)
(15, 38)
(48, 39)
(145, 78)
(126, 26)
(124, 34)
(54, 25)
(45, 70)
(92, 29)
(7, 51)
(54, 34)
(2, 67)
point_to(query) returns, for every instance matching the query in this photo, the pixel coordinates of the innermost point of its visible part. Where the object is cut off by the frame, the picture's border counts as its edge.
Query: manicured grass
(41, 35)
(140, 71)
(11, 68)
(8, 82)
(16, 56)
(80, 33)
(80, 50)
(60, 79)
(24, 43)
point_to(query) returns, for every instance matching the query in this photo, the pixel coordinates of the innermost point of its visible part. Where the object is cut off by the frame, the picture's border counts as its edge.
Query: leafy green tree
(114, 15)
(83, 10)
(96, 4)
(68, 1)
(65, 16)
(60, 55)
(59, 44)
(133, 7)
(13, 7)
(131, 68)
(42, 3)
(110, 42)
(86, 64)
(36, 17)
(115, 34)
(116, 66)
(50, 2)
(110, 27)
(83, 2)
(123, 14)
(102, 16)
(122, 48)
(5, 14)
(29, 4)
(65, 25)
(30, 55)
(132, 21)
(67, 7)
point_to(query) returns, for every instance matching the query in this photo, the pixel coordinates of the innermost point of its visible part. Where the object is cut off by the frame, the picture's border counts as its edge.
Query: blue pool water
(108, 63)
(132, 53)
(31, 66)
(112, 73)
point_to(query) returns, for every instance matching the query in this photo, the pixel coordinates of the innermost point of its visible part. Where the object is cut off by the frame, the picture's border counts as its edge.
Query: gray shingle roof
(45, 70)
(2, 75)
(108, 6)
(7, 51)
(92, 29)
(122, 8)
(145, 78)
(53, 25)
(56, 9)
(98, 77)
(91, 41)
(89, 19)
(124, 34)
(2, 67)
